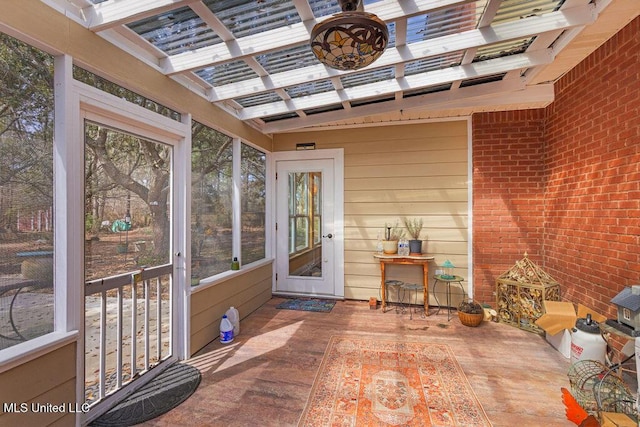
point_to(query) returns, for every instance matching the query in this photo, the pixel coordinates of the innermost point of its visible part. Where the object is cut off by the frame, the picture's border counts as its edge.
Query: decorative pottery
(390, 246)
(415, 247)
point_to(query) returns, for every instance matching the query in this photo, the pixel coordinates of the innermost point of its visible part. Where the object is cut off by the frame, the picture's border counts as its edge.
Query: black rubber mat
(160, 395)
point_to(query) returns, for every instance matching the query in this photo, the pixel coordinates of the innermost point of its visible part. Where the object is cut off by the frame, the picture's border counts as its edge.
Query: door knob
(329, 236)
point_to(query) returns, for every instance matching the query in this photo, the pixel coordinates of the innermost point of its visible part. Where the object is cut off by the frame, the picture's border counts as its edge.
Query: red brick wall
(574, 201)
(592, 196)
(508, 199)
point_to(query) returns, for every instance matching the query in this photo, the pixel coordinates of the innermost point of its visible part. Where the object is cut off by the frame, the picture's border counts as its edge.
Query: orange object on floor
(576, 413)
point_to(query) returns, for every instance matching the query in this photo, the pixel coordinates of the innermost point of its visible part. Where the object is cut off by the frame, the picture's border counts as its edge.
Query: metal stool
(397, 285)
(447, 281)
(411, 287)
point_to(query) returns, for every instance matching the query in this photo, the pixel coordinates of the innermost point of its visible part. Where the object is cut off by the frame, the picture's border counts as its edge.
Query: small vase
(390, 246)
(415, 247)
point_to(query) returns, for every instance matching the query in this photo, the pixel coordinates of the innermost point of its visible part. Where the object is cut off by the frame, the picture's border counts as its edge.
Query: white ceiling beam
(304, 10)
(469, 98)
(209, 18)
(489, 13)
(255, 44)
(118, 12)
(413, 82)
(195, 84)
(401, 32)
(466, 40)
(127, 40)
(390, 10)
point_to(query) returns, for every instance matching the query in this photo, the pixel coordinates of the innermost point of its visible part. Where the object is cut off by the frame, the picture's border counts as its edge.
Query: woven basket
(468, 319)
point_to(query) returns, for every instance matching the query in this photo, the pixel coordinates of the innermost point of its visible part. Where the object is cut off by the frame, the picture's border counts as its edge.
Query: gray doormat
(160, 395)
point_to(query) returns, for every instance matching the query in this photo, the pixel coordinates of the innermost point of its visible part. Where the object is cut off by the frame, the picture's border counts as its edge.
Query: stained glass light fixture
(351, 39)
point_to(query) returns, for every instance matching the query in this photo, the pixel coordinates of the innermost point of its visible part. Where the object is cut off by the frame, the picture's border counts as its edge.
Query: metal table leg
(410, 287)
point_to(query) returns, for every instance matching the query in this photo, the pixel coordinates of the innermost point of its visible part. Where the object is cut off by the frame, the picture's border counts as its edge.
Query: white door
(309, 231)
(131, 294)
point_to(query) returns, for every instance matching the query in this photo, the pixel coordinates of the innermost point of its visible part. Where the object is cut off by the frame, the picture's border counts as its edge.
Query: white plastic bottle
(379, 248)
(226, 330)
(234, 318)
(403, 247)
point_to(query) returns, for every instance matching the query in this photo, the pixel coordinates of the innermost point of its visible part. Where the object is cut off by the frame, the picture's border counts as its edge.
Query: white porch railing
(127, 328)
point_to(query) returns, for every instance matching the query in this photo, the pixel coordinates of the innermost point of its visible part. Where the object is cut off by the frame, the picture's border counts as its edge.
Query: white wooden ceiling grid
(252, 57)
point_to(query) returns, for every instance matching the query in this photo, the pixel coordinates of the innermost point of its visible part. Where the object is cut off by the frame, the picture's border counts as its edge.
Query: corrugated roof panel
(230, 72)
(373, 100)
(391, 27)
(324, 109)
(258, 99)
(480, 80)
(323, 9)
(365, 77)
(514, 10)
(246, 17)
(176, 31)
(277, 64)
(326, 8)
(287, 59)
(443, 22)
(427, 90)
(310, 88)
(498, 50)
(434, 63)
(278, 117)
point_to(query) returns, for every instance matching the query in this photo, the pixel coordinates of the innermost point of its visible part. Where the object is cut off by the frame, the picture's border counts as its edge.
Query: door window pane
(26, 192)
(298, 212)
(316, 192)
(305, 223)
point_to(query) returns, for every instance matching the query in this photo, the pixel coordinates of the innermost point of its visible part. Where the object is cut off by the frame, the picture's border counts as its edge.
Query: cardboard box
(561, 342)
(559, 318)
(614, 419)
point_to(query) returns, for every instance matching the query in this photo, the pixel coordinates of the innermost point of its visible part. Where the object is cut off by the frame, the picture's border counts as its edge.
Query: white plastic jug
(234, 318)
(587, 342)
(226, 330)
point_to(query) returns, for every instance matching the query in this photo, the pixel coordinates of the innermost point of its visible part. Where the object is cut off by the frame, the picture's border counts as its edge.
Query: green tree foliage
(26, 129)
(119, 164)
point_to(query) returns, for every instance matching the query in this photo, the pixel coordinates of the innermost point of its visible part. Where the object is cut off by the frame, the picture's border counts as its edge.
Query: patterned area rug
(305, 304)
(372, 382)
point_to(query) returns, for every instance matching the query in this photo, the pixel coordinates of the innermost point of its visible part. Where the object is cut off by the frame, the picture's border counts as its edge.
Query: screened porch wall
(417, 171)
(37, 24)
(246, 292)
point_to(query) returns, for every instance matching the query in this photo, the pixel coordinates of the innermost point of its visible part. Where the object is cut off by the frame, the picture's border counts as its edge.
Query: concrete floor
(265, 375)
